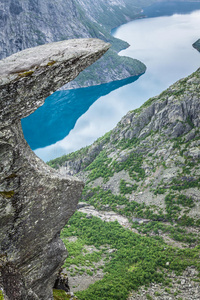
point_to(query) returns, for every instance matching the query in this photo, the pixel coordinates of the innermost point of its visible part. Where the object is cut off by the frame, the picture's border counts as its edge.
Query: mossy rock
(59, 295)
(1, 295)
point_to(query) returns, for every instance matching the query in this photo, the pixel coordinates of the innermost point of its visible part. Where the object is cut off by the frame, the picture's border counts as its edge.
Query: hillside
(31, 23)
(144, 174)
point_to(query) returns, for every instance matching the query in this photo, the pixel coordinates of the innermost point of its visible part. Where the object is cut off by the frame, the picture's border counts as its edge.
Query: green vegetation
(26, 74)
(79, 257)
(55, 163)
(111, 62)
(99, 198)
(100, 167)
(1, 295)
(59, 161)
(133, 164)
(8, 194)
(60, 295)
(128, 143)
(149, 297)
(186, 183)
(51, 63)
(127, 188)
(104, 167)
(145, 105)
(176, 231)
(172, 205)
(138, 260)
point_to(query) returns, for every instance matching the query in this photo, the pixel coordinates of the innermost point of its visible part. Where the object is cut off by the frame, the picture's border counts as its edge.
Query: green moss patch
(8, 195)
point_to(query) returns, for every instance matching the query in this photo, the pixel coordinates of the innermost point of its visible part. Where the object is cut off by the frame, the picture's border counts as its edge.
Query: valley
(145, 170)
(72, 119)
(131, 198)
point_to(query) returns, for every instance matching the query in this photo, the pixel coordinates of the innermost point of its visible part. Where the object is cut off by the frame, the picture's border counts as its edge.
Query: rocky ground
(181, 287)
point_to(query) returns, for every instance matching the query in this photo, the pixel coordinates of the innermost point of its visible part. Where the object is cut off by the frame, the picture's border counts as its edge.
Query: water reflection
(54, 120)
(170, 8)
(164, 44)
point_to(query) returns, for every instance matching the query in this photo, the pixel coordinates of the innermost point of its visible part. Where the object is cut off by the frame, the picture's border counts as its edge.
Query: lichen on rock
(36, 201)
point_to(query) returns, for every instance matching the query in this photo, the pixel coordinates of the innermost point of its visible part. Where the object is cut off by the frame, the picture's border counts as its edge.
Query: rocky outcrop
(36, 201)
(25, 24)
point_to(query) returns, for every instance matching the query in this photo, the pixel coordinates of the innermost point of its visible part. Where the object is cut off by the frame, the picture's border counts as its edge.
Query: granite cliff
(35, 201)
(145, 174)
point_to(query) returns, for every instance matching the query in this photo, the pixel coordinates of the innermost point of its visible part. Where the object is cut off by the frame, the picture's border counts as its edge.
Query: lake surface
(73, 119)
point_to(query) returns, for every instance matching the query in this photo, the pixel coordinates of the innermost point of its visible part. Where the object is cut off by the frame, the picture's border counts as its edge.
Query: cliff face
(35, 201)
(25, 24)
(30, 23)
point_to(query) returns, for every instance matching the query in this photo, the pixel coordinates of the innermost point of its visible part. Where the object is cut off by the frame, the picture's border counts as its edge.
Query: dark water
(72, 119)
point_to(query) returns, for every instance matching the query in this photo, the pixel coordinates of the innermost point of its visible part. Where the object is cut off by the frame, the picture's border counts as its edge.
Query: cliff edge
(36, 202)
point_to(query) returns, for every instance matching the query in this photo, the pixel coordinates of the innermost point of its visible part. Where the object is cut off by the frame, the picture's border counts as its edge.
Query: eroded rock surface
(36, 202)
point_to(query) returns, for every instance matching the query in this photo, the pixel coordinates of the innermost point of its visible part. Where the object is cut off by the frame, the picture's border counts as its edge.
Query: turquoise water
(54, 120)
(72, 119)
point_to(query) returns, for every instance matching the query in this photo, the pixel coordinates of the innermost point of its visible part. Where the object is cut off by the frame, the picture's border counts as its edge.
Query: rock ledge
(36, 201)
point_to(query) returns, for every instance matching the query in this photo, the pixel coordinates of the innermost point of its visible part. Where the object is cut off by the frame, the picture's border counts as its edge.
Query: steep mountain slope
(33, 22)
(147, 171)
(155, 148)
(29, 23)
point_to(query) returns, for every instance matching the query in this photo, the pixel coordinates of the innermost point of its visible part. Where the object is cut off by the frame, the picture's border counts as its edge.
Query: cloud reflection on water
(164, 44)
